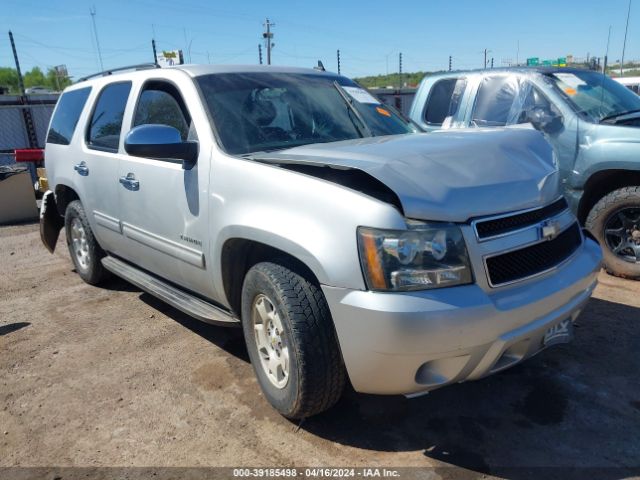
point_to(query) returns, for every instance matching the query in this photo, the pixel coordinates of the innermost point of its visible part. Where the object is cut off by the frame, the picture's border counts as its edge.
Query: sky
(370, 35)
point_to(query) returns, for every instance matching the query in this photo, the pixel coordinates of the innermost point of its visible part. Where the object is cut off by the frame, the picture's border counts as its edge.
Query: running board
(183, 301)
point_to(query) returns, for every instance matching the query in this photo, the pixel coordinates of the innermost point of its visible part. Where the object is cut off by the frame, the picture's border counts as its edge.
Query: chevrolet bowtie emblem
(549, 230)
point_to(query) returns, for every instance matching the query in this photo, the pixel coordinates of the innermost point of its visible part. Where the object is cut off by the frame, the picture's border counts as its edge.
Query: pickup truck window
(161, 104)
(67, 114)
(106, 121)
(444, 100)
(506, 100)
(254, 112)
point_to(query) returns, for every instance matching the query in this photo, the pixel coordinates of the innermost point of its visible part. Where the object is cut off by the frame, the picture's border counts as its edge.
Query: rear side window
(67, 114)
(444, 100)
(106, 121)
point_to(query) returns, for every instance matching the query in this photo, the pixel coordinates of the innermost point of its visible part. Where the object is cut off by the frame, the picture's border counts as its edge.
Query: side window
(444, 100)
(494, 101)
(67, 114)
(506, 100)
(106, 121)
(160, 103)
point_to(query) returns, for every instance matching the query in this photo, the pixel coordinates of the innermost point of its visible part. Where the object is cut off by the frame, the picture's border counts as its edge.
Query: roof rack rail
(141, 66)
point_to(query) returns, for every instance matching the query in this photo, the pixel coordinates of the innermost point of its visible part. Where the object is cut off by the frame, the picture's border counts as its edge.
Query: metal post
(15, 58)
(260, 53)
(449, 62)
(155, 54)
(338, 53)
(26, 112)
(400, 69)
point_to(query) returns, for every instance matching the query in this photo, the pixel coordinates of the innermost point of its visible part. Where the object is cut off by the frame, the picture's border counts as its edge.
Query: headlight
(426, 255)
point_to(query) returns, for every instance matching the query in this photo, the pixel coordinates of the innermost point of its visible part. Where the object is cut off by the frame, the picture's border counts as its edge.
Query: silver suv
(346, 244)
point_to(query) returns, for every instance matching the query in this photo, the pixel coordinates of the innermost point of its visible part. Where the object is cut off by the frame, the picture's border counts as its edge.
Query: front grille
(499, 226)
(529, 261)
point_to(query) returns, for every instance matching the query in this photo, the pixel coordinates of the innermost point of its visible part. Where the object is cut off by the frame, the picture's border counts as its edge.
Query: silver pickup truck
(348, 246)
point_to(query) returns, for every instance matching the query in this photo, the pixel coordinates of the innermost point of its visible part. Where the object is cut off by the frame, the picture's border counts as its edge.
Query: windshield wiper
(349, 101)
(619, 114)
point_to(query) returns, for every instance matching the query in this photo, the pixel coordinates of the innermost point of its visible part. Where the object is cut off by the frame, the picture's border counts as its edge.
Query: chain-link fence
(14, 126)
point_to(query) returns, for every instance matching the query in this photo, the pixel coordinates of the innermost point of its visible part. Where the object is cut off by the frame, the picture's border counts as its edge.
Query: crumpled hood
(449, 175)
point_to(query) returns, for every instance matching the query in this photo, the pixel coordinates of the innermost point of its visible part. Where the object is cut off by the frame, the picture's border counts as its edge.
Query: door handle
(130, 182)
(81, 168)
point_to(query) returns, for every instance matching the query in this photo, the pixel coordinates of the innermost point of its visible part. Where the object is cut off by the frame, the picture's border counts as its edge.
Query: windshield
(596, 95)
(255, 112)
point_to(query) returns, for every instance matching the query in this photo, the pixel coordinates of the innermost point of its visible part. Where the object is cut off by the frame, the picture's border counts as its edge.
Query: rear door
(164, 207)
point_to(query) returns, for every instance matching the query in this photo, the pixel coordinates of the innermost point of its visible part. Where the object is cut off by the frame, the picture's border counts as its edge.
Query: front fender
(606, 154)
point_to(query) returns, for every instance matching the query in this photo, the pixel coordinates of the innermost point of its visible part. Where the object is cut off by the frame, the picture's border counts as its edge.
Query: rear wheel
(85, 252)
(615, 222)
(291, 341)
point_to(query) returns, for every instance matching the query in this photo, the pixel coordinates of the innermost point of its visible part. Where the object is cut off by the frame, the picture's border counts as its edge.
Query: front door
(164, 206)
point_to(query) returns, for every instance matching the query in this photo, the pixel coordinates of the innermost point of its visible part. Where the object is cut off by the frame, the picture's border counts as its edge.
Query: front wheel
(291, 341)
(615, 222)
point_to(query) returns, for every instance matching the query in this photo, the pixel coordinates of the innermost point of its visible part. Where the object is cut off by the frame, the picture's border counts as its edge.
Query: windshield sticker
(360, 95)
(570, 80)
(382, 111)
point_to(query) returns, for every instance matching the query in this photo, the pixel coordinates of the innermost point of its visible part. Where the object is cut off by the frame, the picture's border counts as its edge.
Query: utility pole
(491, 62)
(260, 53)
(624, 45)
(268, 35)
(400, 68)
(155, 53)
(26, 112)
(485, 58)
(92, 11)
(338, 53)
(449, 62)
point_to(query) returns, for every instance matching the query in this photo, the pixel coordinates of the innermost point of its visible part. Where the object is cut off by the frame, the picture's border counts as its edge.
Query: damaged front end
(50, 221)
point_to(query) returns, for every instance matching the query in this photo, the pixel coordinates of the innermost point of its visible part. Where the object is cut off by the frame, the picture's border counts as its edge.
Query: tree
(9, 79)
(55, 81)
(34, 78)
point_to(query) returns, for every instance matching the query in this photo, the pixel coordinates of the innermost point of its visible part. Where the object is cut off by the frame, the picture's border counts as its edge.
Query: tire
(316, 375)
(615, 222)
(84, 249)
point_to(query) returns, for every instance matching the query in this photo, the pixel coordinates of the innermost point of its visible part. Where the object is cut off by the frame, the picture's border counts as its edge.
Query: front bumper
(406, 343)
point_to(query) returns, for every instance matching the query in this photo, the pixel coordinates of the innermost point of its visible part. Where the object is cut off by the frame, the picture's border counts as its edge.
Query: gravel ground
(104, 377)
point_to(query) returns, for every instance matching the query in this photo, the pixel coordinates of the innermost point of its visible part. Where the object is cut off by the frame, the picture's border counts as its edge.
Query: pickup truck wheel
(615, 222)
(291, 341)
(85, 252)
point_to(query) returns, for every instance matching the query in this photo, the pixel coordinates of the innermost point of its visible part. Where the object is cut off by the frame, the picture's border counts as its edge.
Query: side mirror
(545, 120)
(161, 142)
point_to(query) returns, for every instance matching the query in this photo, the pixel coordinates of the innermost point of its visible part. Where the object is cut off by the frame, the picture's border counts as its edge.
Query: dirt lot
(112, 377)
